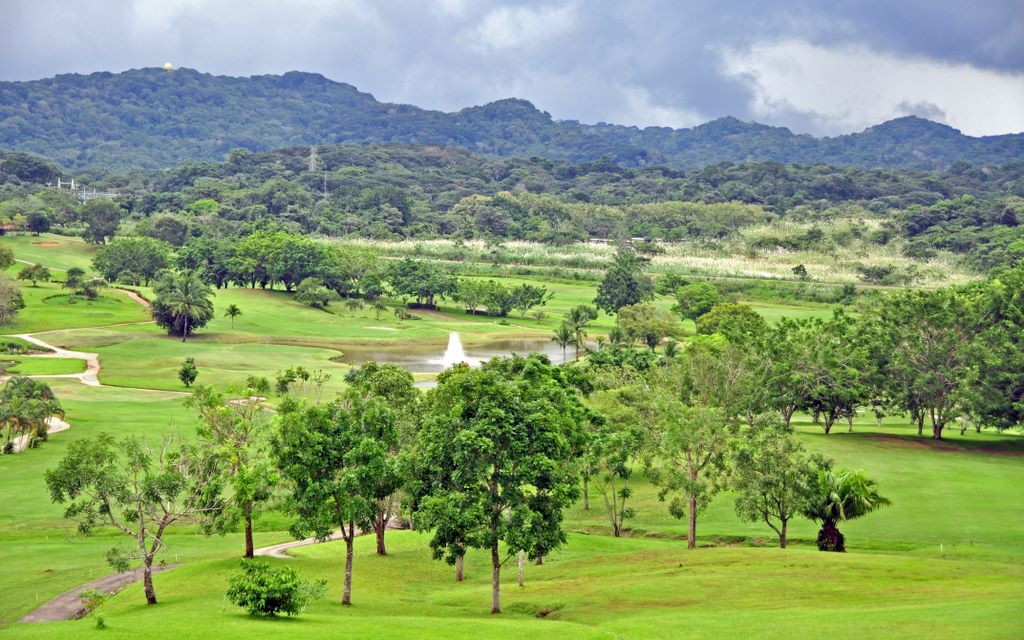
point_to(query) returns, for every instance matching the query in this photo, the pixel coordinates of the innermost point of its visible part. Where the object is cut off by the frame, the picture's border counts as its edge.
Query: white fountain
(455, 354)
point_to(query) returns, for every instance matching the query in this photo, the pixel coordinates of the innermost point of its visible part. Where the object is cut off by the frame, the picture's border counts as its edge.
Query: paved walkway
(68, 605)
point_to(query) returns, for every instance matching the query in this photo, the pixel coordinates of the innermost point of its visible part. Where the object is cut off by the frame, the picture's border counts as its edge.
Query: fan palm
(563, 337)
(841, 495)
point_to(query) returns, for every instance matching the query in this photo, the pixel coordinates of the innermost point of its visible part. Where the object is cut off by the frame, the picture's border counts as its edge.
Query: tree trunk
(691, 525)
(782, 535)
(787, 415)
(586, 493)
(495, 579)
(539, 561)
(830, 539)
(147, 580)
(459, 562)
(248, 532)
(379, 525)
(184, 334)
(346, 596)
(522, 562)
(937, 431)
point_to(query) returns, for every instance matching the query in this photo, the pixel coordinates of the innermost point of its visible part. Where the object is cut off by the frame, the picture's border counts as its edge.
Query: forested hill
(157, 118)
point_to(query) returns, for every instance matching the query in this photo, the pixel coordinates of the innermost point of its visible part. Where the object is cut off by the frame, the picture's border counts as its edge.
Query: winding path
(68, 605)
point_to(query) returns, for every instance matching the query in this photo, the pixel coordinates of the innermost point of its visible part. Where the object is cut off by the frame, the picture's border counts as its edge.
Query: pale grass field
(728, 257)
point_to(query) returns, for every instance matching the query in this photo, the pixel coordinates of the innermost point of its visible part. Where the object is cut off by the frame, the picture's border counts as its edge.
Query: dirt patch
(383, 328)
(1005, 448)
(46, 244)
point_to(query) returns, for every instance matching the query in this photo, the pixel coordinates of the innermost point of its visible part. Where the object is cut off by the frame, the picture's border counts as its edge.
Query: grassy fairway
(597, 588)
(945, 560)
(51, 250)
(27, 366)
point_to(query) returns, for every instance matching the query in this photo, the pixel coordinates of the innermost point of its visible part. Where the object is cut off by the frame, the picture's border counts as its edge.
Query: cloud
(851, 87)
(508, 28)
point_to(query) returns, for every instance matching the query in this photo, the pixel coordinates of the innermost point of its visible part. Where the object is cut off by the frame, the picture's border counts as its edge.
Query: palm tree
(25, 408)
(563, 337)
(232, 312)
(187, 299)
(578, 320)
(837, 496)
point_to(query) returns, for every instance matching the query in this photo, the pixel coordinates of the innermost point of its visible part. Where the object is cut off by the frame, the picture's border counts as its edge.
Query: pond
(432, 359)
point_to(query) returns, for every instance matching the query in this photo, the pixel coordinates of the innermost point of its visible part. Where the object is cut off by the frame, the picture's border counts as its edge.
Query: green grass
(944, 560)
(49, 307)
(68, 252)
(28, 366)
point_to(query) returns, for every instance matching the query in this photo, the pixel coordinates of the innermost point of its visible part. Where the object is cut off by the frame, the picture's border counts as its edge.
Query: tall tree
(578, 319)
(624, 283)
(495, 460)
(772, 475)
(238, 431)
(332, 459)
(138, 491)
(396, 388)
(182, 303)
(102, 217)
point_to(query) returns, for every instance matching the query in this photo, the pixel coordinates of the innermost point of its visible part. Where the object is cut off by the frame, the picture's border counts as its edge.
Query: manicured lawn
(28, 366)
(51, 250)
(49, 307)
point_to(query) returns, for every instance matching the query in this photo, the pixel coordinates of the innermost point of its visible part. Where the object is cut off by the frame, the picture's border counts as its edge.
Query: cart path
(68, 605)
(281, 550)
(54, 425)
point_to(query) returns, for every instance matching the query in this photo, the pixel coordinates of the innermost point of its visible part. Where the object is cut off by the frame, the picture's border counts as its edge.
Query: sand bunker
(46, 244)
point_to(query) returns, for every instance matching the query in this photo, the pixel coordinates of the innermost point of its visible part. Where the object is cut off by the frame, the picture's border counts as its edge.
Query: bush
(263, 591)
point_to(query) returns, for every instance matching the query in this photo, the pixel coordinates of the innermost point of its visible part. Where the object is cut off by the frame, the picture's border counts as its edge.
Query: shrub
(263, 591)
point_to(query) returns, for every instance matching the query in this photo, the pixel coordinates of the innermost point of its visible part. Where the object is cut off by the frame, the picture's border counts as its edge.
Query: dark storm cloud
(643, 62)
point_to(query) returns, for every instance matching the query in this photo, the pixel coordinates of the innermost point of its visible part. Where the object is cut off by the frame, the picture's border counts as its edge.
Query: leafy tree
(313, 293)
(624, 283)
(263, 591)
(144, 257)
(6, 257)
(832, 370)
(694, 300)
(838, 495)
(619, 442)
(578, 320)
(800, 271)
(182, 303)
(379, 307)
(34, 273)
(922, 343)
(772, 475)
(647, 324)
(38, 222)
(102, 218)
(232, 312)
(238, 431)
(332, 460)
(421, 280)
(494, 460)
(10, 300)
(138, 491)
(528, 296)
(737, 322)
(694, 443)
(394, 387)
(188, 372)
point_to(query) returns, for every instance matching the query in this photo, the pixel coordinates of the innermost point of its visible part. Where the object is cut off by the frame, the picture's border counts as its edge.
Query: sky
(823, 67)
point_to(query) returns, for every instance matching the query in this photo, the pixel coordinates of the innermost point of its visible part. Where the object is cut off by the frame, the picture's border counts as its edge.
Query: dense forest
(156, 118)
(415, 191)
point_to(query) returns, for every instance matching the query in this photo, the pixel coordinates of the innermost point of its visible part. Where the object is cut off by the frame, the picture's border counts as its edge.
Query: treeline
(394, 191)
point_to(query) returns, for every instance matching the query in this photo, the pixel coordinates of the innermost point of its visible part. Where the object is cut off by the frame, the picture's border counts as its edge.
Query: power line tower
(314, 159)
